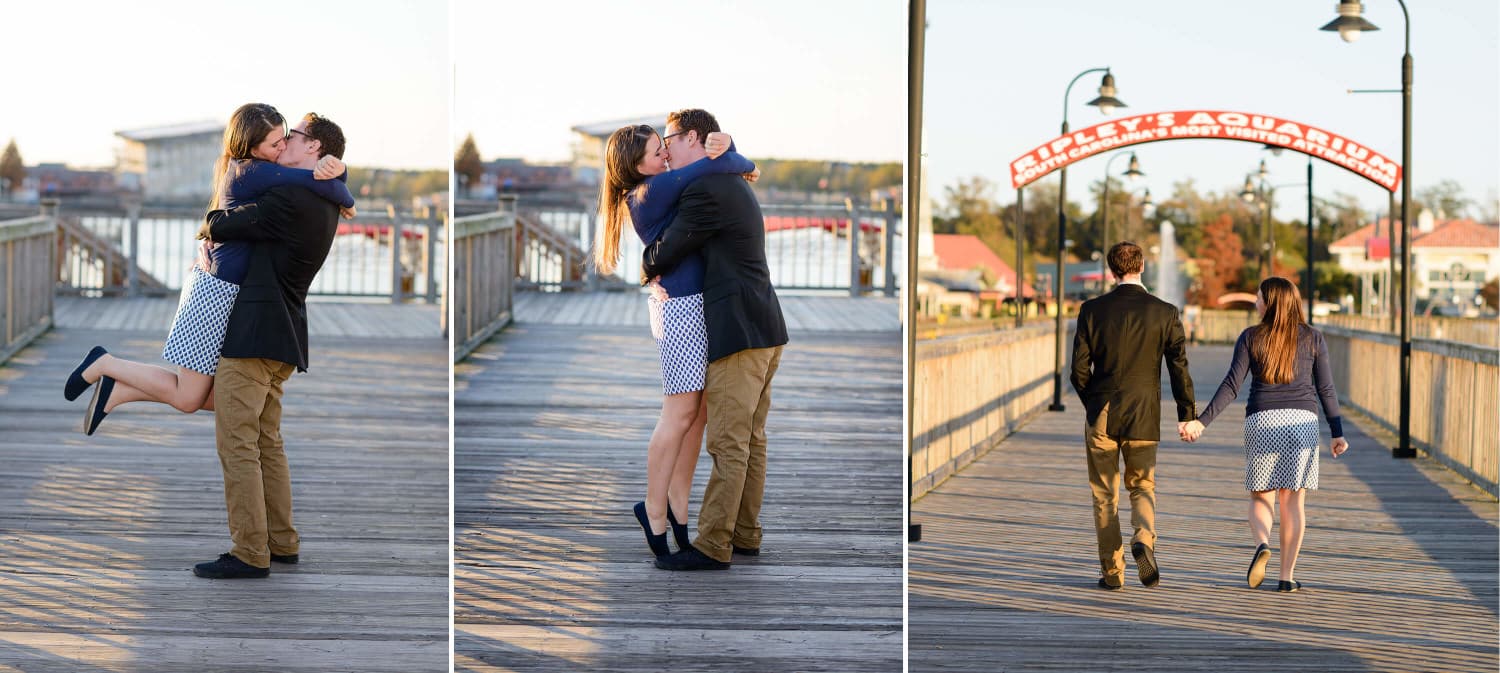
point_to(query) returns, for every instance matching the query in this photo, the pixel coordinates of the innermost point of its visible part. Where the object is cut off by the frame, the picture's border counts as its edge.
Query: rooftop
(172, 131)
(603, 129)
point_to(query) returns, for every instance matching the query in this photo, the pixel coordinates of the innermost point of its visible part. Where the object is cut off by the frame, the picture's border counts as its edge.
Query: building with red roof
(1451, 260)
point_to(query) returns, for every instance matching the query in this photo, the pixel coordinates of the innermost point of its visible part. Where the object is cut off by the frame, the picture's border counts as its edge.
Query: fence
(1475, 331)
(26, 259)
(484, 276)
(1214, 326)
(972, 391)
(146, 250)
(1455, 392)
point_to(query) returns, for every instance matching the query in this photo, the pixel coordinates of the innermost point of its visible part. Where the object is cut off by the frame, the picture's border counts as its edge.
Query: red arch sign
(1190, 124)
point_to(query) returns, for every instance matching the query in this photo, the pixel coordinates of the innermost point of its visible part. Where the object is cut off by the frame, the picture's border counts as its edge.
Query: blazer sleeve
(269, 218)
(696, 222)
(1082, 367)
(1177, 369)
(665, 189)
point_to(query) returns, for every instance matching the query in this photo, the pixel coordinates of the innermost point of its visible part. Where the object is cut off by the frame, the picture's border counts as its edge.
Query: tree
(1221, 258)
(468, 165)
(1446, 199)
(12, 169)
(1491, 293)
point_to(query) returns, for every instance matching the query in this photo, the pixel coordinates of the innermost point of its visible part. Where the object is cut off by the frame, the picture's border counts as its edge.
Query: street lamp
(1132, 173)
(1349, 25)
(1106, 102)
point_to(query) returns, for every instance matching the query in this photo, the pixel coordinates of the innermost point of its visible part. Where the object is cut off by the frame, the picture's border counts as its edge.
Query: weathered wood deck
(805, 312)
(99, 534)
(325, 318)
(1398, 565)
(552, 574)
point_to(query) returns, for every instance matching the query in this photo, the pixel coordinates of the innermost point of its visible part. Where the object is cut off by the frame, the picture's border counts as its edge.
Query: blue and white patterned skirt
(681, 340)
(197, 335)
(1281, 449)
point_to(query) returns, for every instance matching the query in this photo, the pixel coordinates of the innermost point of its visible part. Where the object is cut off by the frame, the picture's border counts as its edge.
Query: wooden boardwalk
(100, 533)
(325, 318)
(552, 573)
(807, 312)
(1399, 562)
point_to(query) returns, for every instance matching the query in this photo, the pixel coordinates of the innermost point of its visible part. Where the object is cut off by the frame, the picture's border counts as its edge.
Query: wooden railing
(971, 392)
(27, 263)
(1216, 326)
(1476, 331)
(1455, 392)
(484, 276)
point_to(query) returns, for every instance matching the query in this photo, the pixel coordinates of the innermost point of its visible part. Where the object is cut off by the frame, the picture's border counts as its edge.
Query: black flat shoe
(228, 567)
(679, 530)
(656, 541)
(76, 385)
(1288, 587)
(1105, 585)
(1145, 564)
(747, 551)
(289, 559)
(1257, 572)
(95, 412)
(690, 559)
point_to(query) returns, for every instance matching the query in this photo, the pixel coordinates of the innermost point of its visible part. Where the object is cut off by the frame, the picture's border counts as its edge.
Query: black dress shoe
(1257, 572)
(1145, 564)
(228, 567)
(747, 551)
(656, 541)
(95, 412)
(679, 530)
(76, 385)
(1288, 587)
(1105, 585)
(289, 559)
(690, 559)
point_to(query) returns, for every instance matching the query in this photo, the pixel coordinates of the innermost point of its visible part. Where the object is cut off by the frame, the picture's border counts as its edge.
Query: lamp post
(1349, 25)
(1106, 102)
(1132, 173)
(1253, 193)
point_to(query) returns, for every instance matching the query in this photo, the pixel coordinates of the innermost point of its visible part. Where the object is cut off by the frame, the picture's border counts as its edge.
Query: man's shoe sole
(1145, 564)
(266, 572)
(289, 559)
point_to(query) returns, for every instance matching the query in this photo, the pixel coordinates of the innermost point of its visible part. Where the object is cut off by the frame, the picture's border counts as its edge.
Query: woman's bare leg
(677, 414)
(1261, 515)
(185, 390)
(1293, 524)
(680, 491)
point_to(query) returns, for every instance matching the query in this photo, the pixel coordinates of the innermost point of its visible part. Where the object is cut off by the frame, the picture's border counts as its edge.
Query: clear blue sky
(790, 79)
(80, 70)
(996, 72)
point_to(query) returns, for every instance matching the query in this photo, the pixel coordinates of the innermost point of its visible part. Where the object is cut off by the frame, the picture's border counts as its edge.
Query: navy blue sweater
(1311, 385)
(651, 214)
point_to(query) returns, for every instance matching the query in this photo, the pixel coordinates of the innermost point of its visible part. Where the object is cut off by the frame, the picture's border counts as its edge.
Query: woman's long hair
(1274, 342)
(247, 127)
(622, 154)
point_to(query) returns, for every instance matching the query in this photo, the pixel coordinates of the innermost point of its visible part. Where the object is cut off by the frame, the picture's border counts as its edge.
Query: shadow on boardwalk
(100, 533)
(551, 424)
(1399, 562)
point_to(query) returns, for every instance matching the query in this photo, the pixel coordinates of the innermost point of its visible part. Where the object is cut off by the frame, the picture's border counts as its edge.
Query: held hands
(754, 175)
(1189, 431)
(716, 144)
(328, 168)
(1340, 445)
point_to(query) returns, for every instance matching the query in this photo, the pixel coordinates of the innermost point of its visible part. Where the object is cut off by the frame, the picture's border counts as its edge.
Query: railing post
(133, 265)
(396, 278)
(890, 249)
(434, 222)
(854, 284)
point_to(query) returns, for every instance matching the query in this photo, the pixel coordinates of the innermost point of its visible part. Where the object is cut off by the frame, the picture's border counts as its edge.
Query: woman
(1288, 361)
(637, 180)
(253, 140)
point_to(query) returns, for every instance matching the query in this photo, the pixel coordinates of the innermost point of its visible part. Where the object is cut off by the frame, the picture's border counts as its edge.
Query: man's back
(1121, 340)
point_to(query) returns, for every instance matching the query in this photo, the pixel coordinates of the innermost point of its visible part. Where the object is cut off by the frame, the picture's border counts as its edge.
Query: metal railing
(484, 276)
(27, 251)
(146, 250)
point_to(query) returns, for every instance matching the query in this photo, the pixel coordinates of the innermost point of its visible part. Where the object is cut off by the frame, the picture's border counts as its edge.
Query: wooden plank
(100, 533)
(813, 313)
(356, 320)
(551, 424)
(1399, 562)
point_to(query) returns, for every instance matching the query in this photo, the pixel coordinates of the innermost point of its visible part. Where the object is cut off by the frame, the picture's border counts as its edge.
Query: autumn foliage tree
(467, 164)
(12, 169)
(1221, 257)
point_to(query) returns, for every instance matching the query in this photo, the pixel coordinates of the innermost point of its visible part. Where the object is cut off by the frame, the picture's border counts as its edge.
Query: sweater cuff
(1336, 426)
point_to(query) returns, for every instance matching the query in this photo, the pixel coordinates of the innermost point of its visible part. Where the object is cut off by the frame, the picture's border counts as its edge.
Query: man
(266, 340)
(719, 216)
(1117, 353)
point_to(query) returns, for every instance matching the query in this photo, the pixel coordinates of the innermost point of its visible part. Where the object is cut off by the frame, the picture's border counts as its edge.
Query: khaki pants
(738, 393)
(257, 481)
(1104, 479)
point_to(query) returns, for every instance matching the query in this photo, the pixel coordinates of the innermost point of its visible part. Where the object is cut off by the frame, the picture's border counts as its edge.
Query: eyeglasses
(667, 139)
(304, 135)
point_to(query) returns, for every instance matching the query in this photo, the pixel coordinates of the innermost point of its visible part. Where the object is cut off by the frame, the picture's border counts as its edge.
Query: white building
(174, 163)
(589, 141)
(1451, 261)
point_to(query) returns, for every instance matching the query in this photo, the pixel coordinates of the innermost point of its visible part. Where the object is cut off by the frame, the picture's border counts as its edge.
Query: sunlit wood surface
(1398, 566)
(825, 312)
(552, 572)
(331, 319)
(99, 534)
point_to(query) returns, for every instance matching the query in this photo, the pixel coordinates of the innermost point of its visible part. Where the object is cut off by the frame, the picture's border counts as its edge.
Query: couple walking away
(717, 324)
(1120, 342)
(241, 324)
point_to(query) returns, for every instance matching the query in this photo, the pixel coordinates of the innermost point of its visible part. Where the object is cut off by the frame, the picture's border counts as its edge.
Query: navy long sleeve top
(246, 181)
(651, 214)
(1310, 388)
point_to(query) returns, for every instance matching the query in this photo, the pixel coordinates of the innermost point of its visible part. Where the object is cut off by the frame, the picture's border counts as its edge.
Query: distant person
(1121, 340)
(1291, 378)
(640, 184)
(247, 168)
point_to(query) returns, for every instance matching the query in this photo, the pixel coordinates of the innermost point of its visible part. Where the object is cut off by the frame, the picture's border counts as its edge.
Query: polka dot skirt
(682, 341)
(197, 335)
(1281, 449)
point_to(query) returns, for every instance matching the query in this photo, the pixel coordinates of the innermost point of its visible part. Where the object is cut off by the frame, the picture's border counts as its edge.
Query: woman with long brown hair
(640, 186)
(253, 140)
(1291, 379)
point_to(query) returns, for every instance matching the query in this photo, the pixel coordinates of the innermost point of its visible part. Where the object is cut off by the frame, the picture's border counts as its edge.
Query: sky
(996, 73)
(80, 70)
(788, 79)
